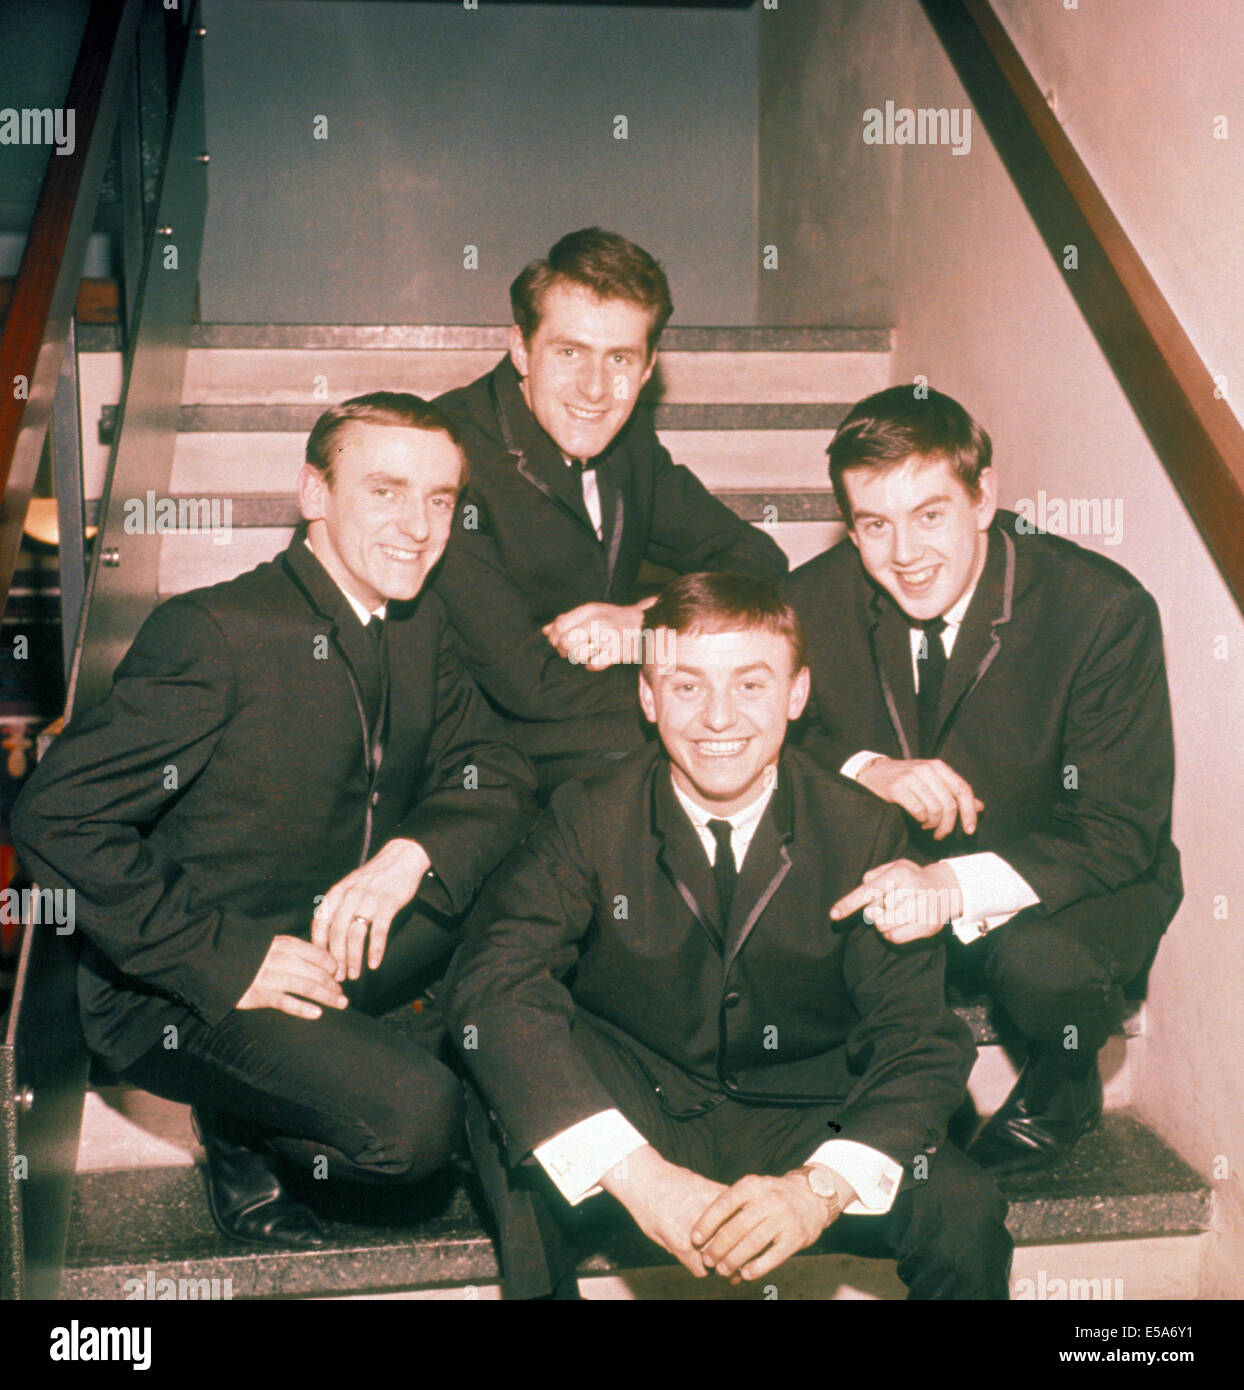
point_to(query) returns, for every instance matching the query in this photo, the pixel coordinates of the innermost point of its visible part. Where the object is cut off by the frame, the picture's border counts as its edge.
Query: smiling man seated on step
(271, 824)
(655, 1002)
(1008, 691)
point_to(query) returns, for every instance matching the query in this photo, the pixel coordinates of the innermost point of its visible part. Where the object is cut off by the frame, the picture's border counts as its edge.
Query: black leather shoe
(247, 1199)
(1040, 1121)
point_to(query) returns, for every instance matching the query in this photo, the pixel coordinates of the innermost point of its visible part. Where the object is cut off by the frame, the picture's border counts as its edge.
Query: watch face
(822, 1183)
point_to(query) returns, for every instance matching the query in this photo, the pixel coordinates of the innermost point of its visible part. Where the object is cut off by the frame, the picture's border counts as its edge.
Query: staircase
(750, 411)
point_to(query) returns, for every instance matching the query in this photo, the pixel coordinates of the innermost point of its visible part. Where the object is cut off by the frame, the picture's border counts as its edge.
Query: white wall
(981, 309)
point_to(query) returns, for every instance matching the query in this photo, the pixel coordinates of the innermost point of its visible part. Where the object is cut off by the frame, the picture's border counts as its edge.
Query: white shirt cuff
(874, 1175)
(992, 893)
(857, 762)
(578, 1157)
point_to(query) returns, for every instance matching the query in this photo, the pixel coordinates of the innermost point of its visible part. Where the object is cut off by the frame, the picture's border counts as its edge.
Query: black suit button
(375, 798)
(732, 999)
(731, 1082)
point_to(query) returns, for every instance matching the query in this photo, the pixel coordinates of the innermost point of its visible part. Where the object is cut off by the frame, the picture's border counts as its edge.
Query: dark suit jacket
(524, 550)
(608, 910)
(227, 780)
(1054, 707)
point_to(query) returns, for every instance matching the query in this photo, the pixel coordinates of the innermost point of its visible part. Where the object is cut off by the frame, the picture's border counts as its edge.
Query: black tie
(375, 630)
(724, 872)
(932, 659)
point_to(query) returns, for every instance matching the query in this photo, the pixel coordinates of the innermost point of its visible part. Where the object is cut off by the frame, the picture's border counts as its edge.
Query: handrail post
(65, 438)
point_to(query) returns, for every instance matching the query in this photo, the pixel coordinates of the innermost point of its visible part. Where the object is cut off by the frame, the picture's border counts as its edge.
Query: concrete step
(300, 418)
(239, 462)
(495, 338)
(101, 338)
(191, 561)
(230, 376)
(153, 1223)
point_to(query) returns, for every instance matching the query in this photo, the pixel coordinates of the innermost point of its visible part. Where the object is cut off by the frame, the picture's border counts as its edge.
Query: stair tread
(387, 336)
(226, 419)
(266, 509)
(678, 338)
(1121, 1180)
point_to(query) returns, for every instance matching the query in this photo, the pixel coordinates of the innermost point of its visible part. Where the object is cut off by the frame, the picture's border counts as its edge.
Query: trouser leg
(1060, 978)
(343, 1094)
(948, 1232)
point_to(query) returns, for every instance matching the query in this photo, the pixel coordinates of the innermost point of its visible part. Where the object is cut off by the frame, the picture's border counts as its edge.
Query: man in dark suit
(1006, 689)
(654, 1002)
(570, 493)
(272, 822)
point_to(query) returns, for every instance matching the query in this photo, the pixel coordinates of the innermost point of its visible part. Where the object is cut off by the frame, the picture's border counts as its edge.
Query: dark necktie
(375, 630)
(932, 659)
(724, 871)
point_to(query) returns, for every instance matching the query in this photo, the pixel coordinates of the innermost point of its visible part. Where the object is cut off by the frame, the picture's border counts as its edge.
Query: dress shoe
(1040, 1121)
(247, 1199)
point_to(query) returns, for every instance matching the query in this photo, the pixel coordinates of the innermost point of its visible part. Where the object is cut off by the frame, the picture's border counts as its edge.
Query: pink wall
(981, 310)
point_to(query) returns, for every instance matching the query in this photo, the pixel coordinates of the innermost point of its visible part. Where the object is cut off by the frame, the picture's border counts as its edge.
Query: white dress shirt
(578, 1157)
(992, 891)
(364, 614)
(591, 496)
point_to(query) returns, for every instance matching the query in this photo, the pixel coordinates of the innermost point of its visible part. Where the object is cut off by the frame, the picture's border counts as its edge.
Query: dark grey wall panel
(449, 127)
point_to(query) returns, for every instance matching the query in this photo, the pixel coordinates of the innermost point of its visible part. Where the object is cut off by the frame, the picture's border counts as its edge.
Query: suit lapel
(979, 638)
(682, 858)
(890, 637)
(613, 519)
(348, 638)
(765, 866)
(538, 459)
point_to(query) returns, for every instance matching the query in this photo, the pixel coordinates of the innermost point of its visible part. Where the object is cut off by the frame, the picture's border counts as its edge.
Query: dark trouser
(947, 1230)
(345, 1087)
(1065, 971)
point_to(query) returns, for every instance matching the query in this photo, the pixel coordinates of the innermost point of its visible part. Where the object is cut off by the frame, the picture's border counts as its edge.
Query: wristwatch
(821, 1181)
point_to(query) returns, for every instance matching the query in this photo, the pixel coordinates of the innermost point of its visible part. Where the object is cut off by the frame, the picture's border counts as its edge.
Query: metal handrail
(33, 344)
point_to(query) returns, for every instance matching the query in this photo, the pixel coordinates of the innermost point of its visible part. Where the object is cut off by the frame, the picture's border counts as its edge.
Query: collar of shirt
(365, 615)
(742, 823)
(954, 616)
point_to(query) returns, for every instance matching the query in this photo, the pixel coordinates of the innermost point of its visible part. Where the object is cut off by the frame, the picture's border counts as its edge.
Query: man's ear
(518, 350)
(313, 487)
(647, 702)
(800, 688)
(987, 503)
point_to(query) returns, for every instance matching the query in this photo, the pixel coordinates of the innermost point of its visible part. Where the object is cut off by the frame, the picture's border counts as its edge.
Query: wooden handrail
(33, 342)
(1194, 431)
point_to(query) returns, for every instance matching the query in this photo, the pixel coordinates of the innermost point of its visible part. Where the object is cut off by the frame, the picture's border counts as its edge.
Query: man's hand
(597, 635)
(929, 790)
(293, 972)
(365, 903)
(759, 1223)
(903, 900)
(665, 1201)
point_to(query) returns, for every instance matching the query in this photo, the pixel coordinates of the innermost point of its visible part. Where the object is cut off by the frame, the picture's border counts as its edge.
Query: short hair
(398, 408)
(899, 422)
(603, 262)
(723, 601)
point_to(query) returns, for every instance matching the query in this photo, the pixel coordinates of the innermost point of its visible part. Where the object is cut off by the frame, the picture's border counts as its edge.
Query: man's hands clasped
(741, 1232)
